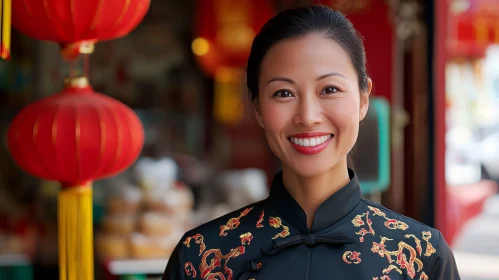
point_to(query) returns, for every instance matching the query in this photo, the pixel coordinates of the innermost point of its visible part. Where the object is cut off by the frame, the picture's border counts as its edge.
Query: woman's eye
(330, 90)
(283, 94)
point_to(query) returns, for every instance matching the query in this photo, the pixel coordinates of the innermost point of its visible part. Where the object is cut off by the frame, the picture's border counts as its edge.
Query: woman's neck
(311, 192)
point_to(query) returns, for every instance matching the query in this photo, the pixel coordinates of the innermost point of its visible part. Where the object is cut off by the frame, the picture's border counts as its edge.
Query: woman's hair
(294, 23)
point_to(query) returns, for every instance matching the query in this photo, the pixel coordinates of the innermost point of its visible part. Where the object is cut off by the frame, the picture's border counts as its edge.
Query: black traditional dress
(351, 238)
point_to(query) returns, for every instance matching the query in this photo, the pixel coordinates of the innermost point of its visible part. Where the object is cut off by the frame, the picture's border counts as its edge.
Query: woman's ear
(258, 113)
(364, 100)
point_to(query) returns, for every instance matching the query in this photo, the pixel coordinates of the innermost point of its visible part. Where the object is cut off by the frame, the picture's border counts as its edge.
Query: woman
(309, 88)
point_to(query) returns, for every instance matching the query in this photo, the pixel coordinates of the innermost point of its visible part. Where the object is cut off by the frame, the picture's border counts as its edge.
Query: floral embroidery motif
(199, 240)
(423, 276)
(190, 270)
(358, 222)
(390, 223)
(246, 238)
(276, 222)
(350, 257)
(402, 259)
(259, 223)
(233, 223)
(429, 248)
(206, 269)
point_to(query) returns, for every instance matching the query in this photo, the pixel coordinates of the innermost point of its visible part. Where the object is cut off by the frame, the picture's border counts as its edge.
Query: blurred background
(433, 124)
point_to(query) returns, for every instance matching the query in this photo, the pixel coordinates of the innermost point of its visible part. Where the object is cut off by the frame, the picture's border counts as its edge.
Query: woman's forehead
(312, 54)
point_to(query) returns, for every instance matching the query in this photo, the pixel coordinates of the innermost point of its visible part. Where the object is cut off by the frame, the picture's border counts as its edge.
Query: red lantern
(75, 136)
(225, 30)
(224, 33)
(75, 23)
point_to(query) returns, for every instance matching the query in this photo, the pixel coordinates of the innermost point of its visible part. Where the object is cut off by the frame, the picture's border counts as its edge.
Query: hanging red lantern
(224, 33)
(77, 24)
(74, 137)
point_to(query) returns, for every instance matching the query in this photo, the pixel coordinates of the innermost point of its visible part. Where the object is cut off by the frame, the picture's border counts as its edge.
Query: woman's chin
(310, 170)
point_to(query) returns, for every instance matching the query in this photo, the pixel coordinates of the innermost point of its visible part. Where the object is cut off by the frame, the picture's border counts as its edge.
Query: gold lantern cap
(76, 82)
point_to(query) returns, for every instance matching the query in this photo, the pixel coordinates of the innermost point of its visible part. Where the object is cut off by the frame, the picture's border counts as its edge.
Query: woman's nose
(309, 112)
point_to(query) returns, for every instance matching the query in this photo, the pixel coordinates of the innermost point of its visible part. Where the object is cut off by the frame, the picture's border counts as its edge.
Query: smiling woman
(309, 88)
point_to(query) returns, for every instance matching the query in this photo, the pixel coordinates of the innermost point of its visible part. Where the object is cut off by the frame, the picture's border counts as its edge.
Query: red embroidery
(418, 243)
(259, 223)
(199, 240)
(358, 222)
(206, 269)
(390, 223)
(246, 238)
(349, 256)
(402, 260)
(234, 222)
(190, 270)
(429, 248)
(276, 222)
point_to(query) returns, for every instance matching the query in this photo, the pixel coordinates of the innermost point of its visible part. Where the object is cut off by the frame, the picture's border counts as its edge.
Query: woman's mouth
(310, 143)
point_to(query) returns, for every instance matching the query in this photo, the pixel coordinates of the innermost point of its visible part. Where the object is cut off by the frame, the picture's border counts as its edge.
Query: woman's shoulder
(423, 243)
(404, 222)
(227, 229)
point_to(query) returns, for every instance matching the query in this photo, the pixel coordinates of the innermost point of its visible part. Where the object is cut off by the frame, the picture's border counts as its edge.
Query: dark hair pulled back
(301, 21)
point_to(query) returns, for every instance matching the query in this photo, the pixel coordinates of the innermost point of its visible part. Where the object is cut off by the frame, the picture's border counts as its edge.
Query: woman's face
(309, 103)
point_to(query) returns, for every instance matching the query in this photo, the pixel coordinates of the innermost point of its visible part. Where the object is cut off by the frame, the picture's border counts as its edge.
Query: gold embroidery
(390, 268)
(429, 248)
(234, 222)
(199, 240)
(352, 256)
(190, 270)
(390, 223)
(423, 276)
(259, 223)
(358, 222)
(384, 277)
(276, 222)
(206, 269)
(402, 260)
(418, 242)
(246, 238)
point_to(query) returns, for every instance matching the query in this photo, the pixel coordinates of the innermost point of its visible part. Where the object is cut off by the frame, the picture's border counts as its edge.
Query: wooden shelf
(126, 267)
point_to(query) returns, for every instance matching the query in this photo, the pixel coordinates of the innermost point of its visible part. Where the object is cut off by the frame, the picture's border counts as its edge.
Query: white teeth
(306, 142)
(310, 142)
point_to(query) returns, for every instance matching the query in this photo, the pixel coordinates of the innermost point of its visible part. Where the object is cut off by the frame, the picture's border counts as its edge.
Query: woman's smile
(310, 143)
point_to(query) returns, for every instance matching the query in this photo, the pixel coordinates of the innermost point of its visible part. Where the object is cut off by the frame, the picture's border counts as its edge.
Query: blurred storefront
(467, 107)
(204, 155)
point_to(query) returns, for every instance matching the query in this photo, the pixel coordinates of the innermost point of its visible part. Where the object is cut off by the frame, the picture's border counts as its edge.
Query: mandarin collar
(329, 212)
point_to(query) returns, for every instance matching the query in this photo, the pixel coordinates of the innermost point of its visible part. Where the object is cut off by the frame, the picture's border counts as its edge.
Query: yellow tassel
(76, 233)
(228, 105)
(5, 19)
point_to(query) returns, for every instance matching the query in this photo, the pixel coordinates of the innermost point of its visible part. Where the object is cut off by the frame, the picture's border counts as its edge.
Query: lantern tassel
(227, 106)
(76, 233)
(5, 19)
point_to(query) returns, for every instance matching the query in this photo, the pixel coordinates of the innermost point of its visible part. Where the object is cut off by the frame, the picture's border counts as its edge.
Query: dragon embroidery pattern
(199, 240)
(390, 223)
(190, 270)
(233, 223)
(276, 222)
(350, 257)
(358, 222)
(246, 238)
(259, 223)
(429, 248)
(206, 269)
(410, 262)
